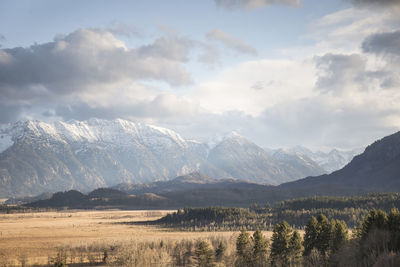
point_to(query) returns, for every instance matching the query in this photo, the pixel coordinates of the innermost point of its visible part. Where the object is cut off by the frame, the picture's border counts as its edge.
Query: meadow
(83, 236)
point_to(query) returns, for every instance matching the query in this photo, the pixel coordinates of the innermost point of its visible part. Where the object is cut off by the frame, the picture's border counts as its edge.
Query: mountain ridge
(375, 170)
(84, 155)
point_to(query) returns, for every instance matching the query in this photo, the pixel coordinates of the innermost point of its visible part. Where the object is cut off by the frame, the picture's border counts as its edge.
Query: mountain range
(330, 161)
(37, 157)
(376, 170)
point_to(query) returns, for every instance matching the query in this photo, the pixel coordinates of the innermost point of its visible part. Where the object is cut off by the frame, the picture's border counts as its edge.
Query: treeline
(9, 209)
(295, 212)
(234, 219)
(212, 219)
(383, 201)
(352, 210)
(299, 218)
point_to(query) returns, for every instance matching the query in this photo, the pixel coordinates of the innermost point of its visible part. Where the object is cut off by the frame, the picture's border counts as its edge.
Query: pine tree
(280, 244)
(340, 235)
(311, 235)
(393, 225)
(244, 249)
(375, 220)
(295, 249)
(260, 249)
(204, 254)
(324, 236)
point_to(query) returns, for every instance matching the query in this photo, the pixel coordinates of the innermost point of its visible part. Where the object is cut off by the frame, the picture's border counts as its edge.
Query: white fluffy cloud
(252, 86)
(89, 66)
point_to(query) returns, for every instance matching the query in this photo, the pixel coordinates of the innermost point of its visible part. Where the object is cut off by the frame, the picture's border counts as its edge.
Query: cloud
(9, 112)
(89, 66)
(332, 121)
(333, 100)
(253, 4)
(210, 55)
(383, 3)
(231, 42)
(345, 75)
(390, 7)
(161, 107)
(338, 72)
(122, 29)
(172, 47)
(385, 43)
(233, 88)
(385, 46)
(317, 121)
(2, 39)
(86, 58)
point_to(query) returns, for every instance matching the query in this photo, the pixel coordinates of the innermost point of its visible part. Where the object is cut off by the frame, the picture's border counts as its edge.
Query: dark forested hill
(375, 170)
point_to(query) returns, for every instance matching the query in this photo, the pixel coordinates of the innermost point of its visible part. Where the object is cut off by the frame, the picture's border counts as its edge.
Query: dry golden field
(35, 237)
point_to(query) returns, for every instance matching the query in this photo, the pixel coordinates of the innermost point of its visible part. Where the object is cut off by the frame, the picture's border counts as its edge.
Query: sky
(322, 74)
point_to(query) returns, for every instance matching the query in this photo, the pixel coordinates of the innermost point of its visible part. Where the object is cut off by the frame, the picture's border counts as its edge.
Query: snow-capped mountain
(36, 157)
(242, 158)
(330, 161)
(298, 161)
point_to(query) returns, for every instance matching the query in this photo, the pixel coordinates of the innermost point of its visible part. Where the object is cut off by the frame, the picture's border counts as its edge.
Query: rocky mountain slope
(245, 160)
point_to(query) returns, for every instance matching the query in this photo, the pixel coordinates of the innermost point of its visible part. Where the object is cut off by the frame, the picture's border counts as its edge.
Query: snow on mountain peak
(217, 139)
(117, 132)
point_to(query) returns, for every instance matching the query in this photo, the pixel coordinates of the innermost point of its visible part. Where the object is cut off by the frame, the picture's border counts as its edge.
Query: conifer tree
(260, 249)
(204, 254)
(311, 235)
(376, 219)
(244, 249)
(324, 236)
(393, 225)
(280, 244)
(340, 234)
(295, 249)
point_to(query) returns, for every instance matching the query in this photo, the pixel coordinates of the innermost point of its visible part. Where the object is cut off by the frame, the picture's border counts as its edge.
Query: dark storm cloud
(253, 4)
(386, 43)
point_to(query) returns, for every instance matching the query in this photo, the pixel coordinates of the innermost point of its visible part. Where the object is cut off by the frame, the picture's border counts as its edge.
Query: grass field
(34, 237)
